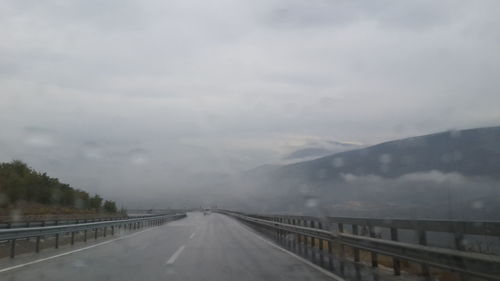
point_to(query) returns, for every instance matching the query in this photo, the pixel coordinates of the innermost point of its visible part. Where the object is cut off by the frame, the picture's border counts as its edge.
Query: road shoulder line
(71, 252)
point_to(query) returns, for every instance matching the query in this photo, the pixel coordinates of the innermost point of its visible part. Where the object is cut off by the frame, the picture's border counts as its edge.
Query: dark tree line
(18, 182)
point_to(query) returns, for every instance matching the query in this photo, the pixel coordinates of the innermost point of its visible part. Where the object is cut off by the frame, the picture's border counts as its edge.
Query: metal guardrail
(68, 220)
(304, 228)
(11, 235)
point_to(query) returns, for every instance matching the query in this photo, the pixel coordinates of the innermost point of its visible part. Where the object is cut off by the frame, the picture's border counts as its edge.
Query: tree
(95, 202)
(19, 182)
(109, 206)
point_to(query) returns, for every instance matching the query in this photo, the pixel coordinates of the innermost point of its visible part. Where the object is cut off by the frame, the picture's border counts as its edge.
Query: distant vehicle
(207, 212)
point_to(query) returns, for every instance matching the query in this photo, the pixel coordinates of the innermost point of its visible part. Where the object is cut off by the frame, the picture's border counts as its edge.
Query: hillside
(473, 152)
(30, 192)
(454, 174)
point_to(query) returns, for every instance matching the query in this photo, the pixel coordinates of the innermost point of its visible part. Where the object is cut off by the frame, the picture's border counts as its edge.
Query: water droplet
(15, 215)
(338, 162)
(478, 204)
(384, 168)
(455, 133)
(311, 202)
(304, 189)
(321, 174)
(92, 154)
(79, 263)
(39, 141)
(138, 157)
(446, 158)
(39, 137)
(385, 158)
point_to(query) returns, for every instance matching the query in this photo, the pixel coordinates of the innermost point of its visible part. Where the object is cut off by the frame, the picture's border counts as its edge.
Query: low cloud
(174, 89)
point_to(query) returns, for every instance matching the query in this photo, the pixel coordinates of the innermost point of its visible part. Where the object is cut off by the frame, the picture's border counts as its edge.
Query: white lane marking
(71, 252)
(192, 235)
(172, 259)
(320, 269)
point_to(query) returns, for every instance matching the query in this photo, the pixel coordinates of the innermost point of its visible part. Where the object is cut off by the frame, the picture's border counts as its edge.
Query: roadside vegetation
(31, 192)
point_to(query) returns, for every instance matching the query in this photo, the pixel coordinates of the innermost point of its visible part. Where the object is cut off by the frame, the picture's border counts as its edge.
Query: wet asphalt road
(212, 247)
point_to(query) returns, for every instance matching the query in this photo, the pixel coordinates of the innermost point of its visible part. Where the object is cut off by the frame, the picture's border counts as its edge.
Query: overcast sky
(104, 94)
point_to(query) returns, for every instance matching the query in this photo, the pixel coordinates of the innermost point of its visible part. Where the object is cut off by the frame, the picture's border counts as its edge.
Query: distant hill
(473, 152)
(30, 192)
(453, 174)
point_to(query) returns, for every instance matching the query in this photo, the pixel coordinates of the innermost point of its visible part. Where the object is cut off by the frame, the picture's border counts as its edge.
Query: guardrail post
(289, 235)
(373, 254)
(85, 235)
(321, 247)
(342, 247)
(330, 254)
(277, 230)
(37, 244)
(104, 231)
(72, 238)
(459, 241)
(396, 263)
(280, 220)
(295, 237)
(12, 248)
(57, 241)
(422, 240)
(284, 233)
(112, 230)
(306, 241)
(95, 233)
(356, 251)
(312, 242)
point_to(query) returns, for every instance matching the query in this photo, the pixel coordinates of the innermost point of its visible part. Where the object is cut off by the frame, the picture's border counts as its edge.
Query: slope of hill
(473, 152)
(433, 176)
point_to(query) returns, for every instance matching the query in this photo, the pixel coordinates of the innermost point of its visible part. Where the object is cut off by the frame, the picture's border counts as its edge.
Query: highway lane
(212, 247)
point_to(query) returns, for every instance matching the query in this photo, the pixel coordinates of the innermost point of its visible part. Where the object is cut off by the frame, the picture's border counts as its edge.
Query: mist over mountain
(473, 152)
(308, 152)
(318, 149)
(452, 175)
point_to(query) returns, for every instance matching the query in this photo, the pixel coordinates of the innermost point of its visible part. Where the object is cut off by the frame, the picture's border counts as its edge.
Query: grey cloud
(340, 13)
(182, 87)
